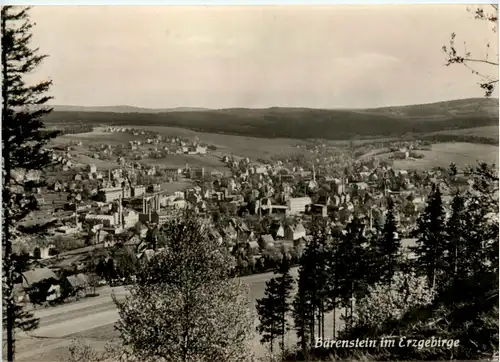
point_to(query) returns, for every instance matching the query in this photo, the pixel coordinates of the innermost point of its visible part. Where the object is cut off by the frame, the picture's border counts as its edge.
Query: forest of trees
(285, 123)
(449, 289)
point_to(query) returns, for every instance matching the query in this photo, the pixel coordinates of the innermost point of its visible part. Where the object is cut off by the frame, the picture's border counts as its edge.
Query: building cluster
(261, 208)
(145, 144)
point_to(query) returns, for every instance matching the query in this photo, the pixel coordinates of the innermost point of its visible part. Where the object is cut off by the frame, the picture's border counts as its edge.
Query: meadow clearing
(238, 146)
(442, 154)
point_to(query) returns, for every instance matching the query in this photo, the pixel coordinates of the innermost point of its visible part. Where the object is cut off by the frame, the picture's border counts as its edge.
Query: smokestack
(120, 212)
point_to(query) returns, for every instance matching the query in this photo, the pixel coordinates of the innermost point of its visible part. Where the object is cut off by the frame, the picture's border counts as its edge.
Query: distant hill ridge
(295, 122)
(123, 109)
(468, 104)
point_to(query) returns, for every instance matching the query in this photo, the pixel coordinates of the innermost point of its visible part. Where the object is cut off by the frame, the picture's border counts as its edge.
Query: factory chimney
(149, 209)
(120, 212)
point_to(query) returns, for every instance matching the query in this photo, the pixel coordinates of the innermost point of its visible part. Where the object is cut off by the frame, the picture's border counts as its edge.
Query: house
(230, 232)
(36, 275)
(42, 252)
(58, 186)
(110, 194)
(201, 150)
(92, 168)
(153, 188)
(130, 218)
(295, 232)
(401, 154)
(253, 246)
(266, 240)
(259, 169)
(319, 209)
(298, 204)
(277, 231)
(76, 283)
(138, 190)
(361, 185)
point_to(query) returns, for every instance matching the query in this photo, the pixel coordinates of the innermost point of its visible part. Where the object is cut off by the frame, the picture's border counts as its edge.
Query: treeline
(277, 122)
(442, 137)
(447, 290)
(70, 128)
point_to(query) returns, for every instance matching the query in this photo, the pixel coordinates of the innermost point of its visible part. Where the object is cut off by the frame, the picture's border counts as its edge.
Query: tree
(390, 301)
(274, 307)
(431, 243)
(456, 232)
(24, 320)
(184, 306)
(313, 299)
(472, 62)
(386, 248)
(351, 272)
(268, 311)
(126, 263)
(303, 312)
(23, 141)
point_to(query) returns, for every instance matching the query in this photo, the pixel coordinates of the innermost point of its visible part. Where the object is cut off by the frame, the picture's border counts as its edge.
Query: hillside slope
(306, 123)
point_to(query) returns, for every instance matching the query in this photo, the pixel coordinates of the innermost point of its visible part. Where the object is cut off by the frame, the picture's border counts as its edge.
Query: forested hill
(303, 122)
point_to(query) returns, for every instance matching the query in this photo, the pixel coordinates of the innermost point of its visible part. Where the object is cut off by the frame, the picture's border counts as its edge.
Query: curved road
(92, 319)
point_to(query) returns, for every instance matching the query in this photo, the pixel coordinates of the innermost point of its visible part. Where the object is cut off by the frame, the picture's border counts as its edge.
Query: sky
(337, 56)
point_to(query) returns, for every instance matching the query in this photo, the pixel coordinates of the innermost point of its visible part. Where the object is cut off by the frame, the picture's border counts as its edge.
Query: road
(91, 319)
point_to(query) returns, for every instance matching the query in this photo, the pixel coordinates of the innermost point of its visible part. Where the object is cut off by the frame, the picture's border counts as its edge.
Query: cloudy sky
(216, 57)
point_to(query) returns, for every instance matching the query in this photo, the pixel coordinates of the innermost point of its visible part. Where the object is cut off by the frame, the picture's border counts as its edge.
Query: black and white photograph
(250, 182)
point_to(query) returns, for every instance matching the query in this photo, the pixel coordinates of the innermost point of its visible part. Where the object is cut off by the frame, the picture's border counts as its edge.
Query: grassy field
(251, 147)
(442, 154)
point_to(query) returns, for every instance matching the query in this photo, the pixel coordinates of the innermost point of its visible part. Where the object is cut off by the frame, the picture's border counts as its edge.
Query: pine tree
(285, 287)
(456, 231)
(274, 307)
(431, 243)
(23, 141)
(387, 247)
(333, 261)
(268, 311)
(352, 272)
(312, 299)
(303, 312)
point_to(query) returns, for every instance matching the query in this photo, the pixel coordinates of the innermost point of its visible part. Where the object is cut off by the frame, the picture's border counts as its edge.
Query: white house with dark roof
(295, 232)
